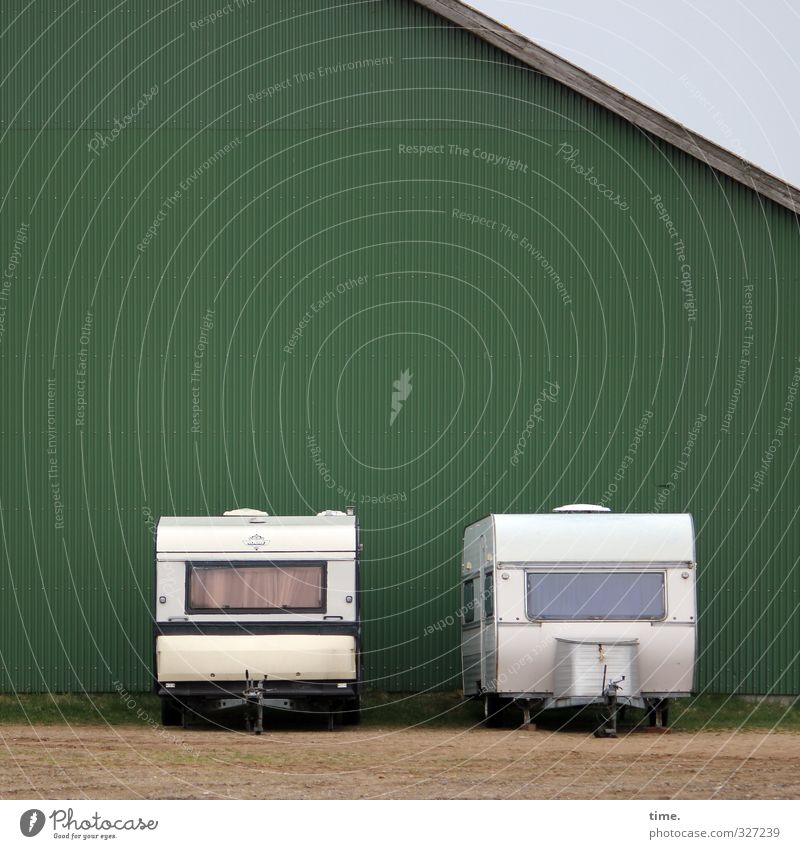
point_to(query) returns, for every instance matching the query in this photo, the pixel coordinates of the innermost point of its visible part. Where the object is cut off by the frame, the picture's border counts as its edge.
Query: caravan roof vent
(331, 513)
(582, 508)
(245, 511)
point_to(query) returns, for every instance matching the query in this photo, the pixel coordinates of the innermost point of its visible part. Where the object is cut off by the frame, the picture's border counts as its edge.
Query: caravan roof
(597, 537)
(259, 533)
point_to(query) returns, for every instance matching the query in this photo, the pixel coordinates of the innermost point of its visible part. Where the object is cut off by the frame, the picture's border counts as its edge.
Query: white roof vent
(331, 513)
(582, 508)
(245, 511)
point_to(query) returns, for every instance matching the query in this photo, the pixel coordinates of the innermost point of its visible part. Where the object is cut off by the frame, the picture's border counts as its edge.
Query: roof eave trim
(627, 107)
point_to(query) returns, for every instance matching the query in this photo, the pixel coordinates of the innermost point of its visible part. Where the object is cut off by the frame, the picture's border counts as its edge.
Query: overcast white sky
(728, 69)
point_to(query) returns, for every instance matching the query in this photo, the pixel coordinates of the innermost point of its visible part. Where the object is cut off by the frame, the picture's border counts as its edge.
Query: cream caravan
(257, 611)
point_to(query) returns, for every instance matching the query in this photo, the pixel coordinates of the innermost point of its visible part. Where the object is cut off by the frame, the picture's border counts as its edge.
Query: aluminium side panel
(488, 610)
(471, 610)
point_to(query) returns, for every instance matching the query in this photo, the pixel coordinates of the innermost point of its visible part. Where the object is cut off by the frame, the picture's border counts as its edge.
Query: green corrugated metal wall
(192, 258)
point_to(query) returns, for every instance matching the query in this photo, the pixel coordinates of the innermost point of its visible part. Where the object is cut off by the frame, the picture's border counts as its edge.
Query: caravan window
(596, 595)
(488, 595)
(255, 587)
(468, 608)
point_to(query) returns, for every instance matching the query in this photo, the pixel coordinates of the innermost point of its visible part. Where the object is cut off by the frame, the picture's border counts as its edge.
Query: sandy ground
(366, 763)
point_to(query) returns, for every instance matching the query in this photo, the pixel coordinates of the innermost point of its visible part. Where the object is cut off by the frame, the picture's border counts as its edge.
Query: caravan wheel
(656, 707)
(492, 710)
(171, 712)
(351, 714)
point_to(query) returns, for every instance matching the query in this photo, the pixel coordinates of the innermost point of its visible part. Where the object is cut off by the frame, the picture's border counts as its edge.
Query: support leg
(611, 730)
(608, 725)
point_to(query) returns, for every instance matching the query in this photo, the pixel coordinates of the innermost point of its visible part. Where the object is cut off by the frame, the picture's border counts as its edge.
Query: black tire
(492, 710)
(351, 713)
(651, 712)
(171, 712)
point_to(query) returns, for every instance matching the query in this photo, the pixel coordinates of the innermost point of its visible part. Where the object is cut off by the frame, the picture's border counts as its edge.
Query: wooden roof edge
(645, 117)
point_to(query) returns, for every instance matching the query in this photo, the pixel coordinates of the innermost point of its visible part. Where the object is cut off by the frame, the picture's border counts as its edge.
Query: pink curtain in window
(254, 587)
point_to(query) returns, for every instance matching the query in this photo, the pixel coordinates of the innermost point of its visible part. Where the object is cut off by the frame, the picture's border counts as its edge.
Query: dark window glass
(595, 595)
(488, 595)
(469, 601)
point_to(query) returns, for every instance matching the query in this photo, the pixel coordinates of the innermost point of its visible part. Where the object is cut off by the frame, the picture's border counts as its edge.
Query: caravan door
(485, 610)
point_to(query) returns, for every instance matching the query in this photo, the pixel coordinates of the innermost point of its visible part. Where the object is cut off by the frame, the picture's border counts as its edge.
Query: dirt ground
(368, 763)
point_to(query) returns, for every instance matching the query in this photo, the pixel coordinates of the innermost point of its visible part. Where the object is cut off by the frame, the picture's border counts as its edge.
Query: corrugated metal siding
(312, 192)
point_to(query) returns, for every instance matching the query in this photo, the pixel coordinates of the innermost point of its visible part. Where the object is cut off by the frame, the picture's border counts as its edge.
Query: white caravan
(257, 611)
(577, 606)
